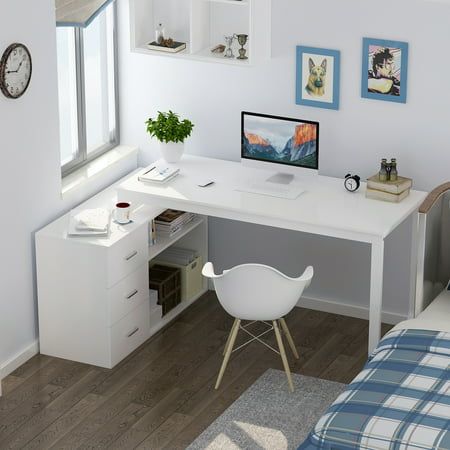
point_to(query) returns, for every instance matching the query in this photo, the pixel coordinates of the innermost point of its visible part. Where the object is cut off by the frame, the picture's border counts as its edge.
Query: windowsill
(91, 170)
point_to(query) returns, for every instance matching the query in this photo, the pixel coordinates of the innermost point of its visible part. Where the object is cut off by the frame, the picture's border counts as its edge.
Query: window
(87, 90)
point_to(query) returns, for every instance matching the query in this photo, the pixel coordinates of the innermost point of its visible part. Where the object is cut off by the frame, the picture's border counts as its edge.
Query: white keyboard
(274, 190)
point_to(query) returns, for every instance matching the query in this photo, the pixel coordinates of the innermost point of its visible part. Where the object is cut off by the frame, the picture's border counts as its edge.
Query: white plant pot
(171, 151)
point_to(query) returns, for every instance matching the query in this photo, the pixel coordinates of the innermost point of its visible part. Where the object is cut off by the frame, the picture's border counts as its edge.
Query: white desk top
(326, 208)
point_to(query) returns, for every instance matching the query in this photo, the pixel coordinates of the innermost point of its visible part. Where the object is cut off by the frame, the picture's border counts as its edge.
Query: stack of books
(158, 174)
(171, 221)
(169, 47)
(89, 222)
(388, 191)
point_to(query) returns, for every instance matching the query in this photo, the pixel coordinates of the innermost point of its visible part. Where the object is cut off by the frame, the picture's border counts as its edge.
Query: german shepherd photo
(316, 80)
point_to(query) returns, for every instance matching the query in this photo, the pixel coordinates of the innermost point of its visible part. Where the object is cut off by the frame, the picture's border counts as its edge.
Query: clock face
(15, 70)
(351, 184)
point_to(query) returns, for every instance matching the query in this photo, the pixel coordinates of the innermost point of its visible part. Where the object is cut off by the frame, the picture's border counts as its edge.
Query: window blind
(78, 13)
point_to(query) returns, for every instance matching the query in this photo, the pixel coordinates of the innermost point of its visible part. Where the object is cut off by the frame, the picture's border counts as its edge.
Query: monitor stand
(281, 178)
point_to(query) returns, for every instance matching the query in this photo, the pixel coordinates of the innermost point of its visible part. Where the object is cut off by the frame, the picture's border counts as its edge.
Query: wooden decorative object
(433, 196)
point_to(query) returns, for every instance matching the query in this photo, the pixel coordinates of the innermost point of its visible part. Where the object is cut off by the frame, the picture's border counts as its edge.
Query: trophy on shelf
(242, 39)
(229, 51)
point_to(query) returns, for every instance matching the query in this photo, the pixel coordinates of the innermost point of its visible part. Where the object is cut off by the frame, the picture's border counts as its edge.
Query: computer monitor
(291, 146)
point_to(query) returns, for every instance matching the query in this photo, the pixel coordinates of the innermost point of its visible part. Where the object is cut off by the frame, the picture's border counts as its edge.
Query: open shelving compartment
(193, 236)
(202, 24)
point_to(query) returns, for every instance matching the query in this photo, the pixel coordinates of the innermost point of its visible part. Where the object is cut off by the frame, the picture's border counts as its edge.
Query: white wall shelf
(202, 24)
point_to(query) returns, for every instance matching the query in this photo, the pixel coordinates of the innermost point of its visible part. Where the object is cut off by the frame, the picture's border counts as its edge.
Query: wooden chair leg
(229, 337)
(226, 358)
(283, 355)
(289, 338)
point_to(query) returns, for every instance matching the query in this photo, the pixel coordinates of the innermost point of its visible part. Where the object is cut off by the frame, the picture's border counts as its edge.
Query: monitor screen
(280, 140)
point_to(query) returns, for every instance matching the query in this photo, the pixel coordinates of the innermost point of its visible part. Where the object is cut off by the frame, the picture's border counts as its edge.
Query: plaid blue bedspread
(400, 400)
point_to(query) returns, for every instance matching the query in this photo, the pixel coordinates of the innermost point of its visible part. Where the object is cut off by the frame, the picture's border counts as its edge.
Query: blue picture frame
(307, 97)
(398, 52)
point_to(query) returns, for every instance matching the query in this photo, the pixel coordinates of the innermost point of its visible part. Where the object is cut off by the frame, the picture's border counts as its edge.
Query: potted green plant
(171, 132)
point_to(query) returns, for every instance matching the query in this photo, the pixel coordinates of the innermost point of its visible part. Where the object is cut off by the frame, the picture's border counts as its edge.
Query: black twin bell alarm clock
(352, 182)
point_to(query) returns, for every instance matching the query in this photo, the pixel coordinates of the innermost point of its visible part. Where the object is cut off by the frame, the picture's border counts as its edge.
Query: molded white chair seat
(255, 292)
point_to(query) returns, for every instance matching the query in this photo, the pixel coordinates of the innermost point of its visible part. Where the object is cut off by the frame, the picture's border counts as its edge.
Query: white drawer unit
(93, 292)
(127, 255)
(130, 332)
(128, 294)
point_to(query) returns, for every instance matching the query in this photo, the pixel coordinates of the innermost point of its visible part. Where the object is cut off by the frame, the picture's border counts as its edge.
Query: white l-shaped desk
(326, 208)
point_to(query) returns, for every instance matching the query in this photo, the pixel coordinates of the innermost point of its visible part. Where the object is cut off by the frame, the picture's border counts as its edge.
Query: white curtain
(78, 13)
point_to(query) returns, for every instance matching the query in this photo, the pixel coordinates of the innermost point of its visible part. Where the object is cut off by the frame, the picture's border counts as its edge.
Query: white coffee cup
(122, 212)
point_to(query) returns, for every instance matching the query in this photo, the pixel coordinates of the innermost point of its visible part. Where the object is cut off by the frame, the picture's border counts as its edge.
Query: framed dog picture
(317, 80)
(384, 70)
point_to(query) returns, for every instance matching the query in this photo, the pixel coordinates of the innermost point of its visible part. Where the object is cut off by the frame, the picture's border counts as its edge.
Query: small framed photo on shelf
(317, 81)
(384, 70)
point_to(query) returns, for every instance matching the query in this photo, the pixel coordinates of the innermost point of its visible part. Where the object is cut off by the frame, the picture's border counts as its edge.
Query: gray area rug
(268, 416)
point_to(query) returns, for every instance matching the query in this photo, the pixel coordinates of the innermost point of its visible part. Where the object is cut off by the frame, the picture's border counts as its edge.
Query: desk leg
(376, 292)
(414, 265)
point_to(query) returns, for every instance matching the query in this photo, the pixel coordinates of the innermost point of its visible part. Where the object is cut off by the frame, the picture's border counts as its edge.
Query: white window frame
(82, 157)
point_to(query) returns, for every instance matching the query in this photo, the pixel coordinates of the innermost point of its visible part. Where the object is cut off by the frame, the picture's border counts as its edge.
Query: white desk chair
(256, 292)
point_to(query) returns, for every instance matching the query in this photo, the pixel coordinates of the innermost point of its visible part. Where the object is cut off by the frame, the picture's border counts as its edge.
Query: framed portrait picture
(384, 70)
(317, 79)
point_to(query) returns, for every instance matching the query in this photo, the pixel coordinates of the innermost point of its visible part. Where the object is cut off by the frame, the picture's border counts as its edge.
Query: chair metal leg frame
(283, 355)
(256, 338)
(289, 338)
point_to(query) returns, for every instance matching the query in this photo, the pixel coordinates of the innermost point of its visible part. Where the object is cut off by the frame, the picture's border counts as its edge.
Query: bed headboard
(433, 272)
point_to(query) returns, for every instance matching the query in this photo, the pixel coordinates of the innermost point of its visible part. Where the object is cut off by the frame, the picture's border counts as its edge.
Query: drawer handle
(132, 294)
(133, 332)
(131, 256)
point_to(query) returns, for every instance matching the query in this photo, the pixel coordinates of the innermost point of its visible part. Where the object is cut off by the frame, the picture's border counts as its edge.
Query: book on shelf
(169, 232)
(393, 187)
(184, 220)
(158, 174)
(172, 217)
(175, 47)
(386, 196)
(151, 233)
(172, 221)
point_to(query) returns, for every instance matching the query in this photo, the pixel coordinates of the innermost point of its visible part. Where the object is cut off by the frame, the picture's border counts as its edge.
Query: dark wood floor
(162, 395)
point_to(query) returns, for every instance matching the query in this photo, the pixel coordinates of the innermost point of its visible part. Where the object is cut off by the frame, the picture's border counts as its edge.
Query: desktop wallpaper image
(280, 141)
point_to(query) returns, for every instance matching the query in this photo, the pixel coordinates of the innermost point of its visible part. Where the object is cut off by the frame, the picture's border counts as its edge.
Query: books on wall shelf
(89, 222)
(171, 221)
(174, 47)
(388, 191)
(158, 174)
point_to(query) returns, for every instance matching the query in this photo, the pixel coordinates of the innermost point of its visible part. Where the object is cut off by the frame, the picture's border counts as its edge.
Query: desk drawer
(127, 255)
(127, 294)
(129, 333)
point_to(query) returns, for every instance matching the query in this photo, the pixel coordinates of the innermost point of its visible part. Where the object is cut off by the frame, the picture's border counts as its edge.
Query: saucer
(123, 223)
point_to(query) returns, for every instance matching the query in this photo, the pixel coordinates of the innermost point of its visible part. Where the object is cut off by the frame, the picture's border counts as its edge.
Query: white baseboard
(343, 309)
(16, 361)
(346, 309)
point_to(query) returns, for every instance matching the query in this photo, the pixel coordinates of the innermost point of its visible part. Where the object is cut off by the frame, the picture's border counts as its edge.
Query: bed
(401, 398)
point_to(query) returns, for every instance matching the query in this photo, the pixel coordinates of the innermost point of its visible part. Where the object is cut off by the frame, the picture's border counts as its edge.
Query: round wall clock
(15, 70)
